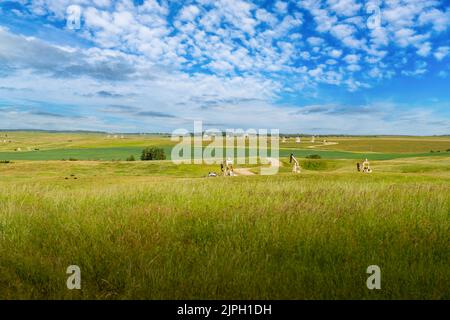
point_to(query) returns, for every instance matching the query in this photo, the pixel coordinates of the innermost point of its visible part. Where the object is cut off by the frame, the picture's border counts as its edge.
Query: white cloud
(420, 69)
(344, 7)
(102, 3)
(335, 53)
(345, 33)
(342, 31)
(424, 49)
(189, 13)
(406, 36)
(441, 52)
(438, 19)
(263, 15)
(315, 41)
(375, 73)
(379, 36)
(353, 67)
(281, 6)
(351, 58)
(315, 73)
(323, 19)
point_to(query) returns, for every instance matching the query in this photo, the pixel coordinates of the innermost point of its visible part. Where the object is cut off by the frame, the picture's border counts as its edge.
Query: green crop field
(121, 153)
(99, 146)
(156, 230)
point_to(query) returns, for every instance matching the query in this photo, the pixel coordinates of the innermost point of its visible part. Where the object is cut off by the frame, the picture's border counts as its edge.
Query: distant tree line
(153, 153)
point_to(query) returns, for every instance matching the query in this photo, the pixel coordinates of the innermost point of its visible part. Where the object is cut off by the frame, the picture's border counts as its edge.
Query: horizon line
(168, 133)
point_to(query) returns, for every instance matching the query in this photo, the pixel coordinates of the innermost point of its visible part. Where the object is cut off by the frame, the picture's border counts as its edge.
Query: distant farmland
(121, 153)
(95, 146)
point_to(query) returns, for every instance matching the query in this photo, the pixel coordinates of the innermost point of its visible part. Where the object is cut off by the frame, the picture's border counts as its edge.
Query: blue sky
(330, 66)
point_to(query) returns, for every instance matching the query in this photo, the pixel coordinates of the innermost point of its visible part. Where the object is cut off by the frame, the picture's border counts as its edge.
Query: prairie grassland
(74, 140)
(153, 231)
(97, 146)
(387, 144)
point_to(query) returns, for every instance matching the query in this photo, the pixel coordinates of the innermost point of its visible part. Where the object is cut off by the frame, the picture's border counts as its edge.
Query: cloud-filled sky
(307, 66)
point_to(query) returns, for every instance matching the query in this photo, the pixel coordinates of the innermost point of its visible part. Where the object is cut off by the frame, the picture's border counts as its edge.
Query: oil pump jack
(295, 164)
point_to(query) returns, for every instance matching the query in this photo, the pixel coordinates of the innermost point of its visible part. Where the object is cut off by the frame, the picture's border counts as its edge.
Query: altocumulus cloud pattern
(330, 66)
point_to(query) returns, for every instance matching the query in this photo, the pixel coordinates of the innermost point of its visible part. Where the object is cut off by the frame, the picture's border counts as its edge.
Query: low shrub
(314, 165)
(153, 153)
(313, 156)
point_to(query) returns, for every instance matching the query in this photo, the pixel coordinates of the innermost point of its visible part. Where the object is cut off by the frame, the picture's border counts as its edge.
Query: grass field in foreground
(151, 230)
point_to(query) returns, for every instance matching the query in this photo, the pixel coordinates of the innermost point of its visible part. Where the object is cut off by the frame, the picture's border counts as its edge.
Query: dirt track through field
(243, 172)
(274, 162)
(323, 145)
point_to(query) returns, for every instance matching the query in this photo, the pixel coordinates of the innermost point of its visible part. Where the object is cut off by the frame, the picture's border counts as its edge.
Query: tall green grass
(305, 236)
